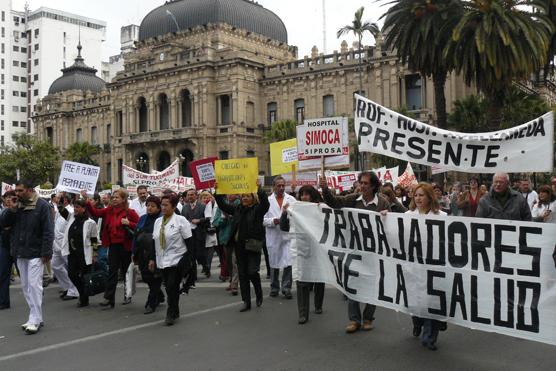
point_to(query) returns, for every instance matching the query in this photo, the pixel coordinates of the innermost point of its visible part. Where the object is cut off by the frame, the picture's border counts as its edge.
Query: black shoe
(126, 301)
(63, 294)
(81, 305)
(288, 295)
(245, 308)
(148, 310)
(302, 320)
(4, 306)
(273, 294)
(169, 321)
(318, 310)
(259, 301)
(417, 331)
(429, 346)
(68, 298)
(107, 304)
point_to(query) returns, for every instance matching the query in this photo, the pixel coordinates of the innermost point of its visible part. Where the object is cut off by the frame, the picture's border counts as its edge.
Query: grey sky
(303, 18)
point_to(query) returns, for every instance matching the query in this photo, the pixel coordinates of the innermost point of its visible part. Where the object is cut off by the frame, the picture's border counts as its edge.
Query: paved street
(213, 335)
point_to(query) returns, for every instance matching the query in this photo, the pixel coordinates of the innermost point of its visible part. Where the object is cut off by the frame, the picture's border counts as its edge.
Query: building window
(250, 153)
(36, 32)
(22, 109)
(14, 63)
(186, 111)
(1, 109)
(271, 112)
(225, 110)
(108, 133)
(413, 96)
(2, 138)
(328, 105)
(78, 135)
(3, 63)
(16, 48)
(50, 135)
(36, 47)
(23, 79)
(15, 78)
(23, 124)
(15, 93)
(299, 106)
(3, 16)
(23, 64)
(2, 94)
(2, 79)
(3, 32)
(120, 166)
(35, 77)
(36, 62)
(143, 115)
(3, 48)
(15, 109)
(23, 49)
(35, 92)
(109, 172)
(250, 112)
(163, 112)
(23, 94)
(224, 155)
(2, 125)
(94, 135)
(15, 124)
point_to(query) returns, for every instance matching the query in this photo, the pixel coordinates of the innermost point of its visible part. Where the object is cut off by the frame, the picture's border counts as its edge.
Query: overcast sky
(303, 18)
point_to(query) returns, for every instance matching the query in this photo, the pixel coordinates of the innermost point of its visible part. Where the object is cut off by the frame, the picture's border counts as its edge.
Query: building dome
(78, 76)
(186, 14)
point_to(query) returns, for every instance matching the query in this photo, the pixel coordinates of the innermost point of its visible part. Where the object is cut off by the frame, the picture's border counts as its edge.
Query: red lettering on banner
(322, 137)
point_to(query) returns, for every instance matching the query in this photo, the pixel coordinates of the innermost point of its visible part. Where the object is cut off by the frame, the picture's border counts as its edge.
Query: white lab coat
(90, 230)
(277, 241)
(211, 239)
(176, 231)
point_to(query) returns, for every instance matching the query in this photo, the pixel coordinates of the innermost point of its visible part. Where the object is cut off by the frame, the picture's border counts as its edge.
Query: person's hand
(125, 221)
(151, 265)
(383, 212)
(276, 221)
(45, 259)
(83, 194)
(285, 207)
(323, 183)
(294, 186)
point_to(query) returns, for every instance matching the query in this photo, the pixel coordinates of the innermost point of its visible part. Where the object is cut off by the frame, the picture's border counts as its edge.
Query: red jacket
(113, 231)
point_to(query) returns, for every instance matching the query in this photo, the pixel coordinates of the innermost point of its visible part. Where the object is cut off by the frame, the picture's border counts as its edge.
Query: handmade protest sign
(75, 177)
(203, 172)
(283, 156)
(323, 137)
(7, 187)
(487, 274)
(525, 148)
(330, 162)
(136, 177)
(45, 193)
(237, 176)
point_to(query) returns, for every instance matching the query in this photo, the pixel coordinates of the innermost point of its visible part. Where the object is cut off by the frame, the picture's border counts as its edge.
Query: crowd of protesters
(169, 237)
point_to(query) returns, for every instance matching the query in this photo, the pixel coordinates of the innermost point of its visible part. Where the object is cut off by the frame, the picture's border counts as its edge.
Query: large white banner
(525, 148)
(160, 179)
(75, 177)
(486, 274)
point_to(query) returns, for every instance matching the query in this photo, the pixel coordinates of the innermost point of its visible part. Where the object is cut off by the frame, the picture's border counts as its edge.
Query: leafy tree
(36, 160)
(419, 31)
(358, 27)
(497, 42)
(82, 152)
(281, 130)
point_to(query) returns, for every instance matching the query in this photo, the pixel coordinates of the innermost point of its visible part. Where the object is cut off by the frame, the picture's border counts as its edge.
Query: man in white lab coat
(277, 241)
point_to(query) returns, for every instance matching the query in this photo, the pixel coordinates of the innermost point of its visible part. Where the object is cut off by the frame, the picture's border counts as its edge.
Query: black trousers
(303, 301)
(248, 265)
(172, 278)
(118, 258)
(154, 280)
(77, 273)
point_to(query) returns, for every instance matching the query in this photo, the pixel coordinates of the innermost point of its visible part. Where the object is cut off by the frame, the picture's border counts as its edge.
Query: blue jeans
(6, 263)
(102, 258)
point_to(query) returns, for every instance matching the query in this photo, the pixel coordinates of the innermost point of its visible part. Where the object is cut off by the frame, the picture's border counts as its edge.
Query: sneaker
(32, 329)
(24, 326)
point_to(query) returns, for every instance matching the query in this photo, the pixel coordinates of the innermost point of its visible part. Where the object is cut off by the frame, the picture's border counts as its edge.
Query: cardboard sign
(237, 176)
(330, 162)
(7, 187)
(283, 156)
(75, 177)
(203, 172)
(323, 137)
(45, 193)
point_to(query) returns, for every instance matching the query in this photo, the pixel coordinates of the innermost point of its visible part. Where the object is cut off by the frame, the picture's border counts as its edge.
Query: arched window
(186, 111)
(163, 160)
(328, 105)
(186, 156)
(271, 112)
(143, 115)
(163, 112)
(299, 106)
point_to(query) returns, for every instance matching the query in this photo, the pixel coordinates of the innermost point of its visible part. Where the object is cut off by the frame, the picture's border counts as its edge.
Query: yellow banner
(236, 176)
(283, 157)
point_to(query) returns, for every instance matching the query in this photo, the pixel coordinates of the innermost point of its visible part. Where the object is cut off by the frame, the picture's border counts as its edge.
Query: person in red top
(468, 201)
(119, 223)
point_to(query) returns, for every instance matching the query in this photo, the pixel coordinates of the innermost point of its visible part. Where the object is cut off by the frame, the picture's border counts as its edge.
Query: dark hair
(390, 195)
(375, 182)
(64, 197)
(142, 186)
(277, 179)
(172, 198)
(26, 183)
(388, 185)
(96, 197)
(311, 191)
(545, 189)
(401, 189)
(154, 200)
(81, 203)
(9, 194)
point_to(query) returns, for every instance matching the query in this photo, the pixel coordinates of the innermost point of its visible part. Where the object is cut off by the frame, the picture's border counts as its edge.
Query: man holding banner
(502, 202)
(368, 199)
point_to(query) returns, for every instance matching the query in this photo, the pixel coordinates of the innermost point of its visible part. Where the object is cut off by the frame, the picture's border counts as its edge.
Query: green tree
(550, 11)
(281, 130)
(82, 152)
(36, 160)
(358, 27)
(419, 31)
(497, 42)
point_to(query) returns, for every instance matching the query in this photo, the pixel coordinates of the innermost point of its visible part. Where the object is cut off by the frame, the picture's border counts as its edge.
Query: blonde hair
(123, 195)
(429, 192)
(254, 196)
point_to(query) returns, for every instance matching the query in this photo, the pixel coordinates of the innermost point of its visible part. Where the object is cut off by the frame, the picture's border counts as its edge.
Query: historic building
(208, 78)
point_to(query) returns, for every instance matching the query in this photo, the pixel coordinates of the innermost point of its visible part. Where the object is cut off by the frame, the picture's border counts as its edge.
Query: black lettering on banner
(434, 152)
(509, 322)
(364, 131)
(400, 288)
(523, 287)
(374, 112)
(401, 255)
(381, 295)
(475, 150)
(431, 275)
(325, 228)
(480, 246)
(361, 105)
(348, 272)
(455, 260)
(338, 226)
(499, 249)
(382, 136)
(458, 296)
(539, 128)
(381, 237)
(475, 305)
(415, 243)
(397, 143)
(490, 155)
(416, 144)
(337, 266)
(534, 252)
(367, 232)
(441, 242)
(451, 155)
(354, 238)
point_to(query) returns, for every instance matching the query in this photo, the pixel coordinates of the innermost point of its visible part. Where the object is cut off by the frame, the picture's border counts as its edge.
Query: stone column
(151, 107)
(173, 113)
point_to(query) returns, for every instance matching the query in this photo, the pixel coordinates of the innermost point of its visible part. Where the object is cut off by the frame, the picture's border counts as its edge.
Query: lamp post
(141, 162)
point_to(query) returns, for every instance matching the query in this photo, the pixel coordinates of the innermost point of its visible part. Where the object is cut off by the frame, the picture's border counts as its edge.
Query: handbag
(130, 285)
(253, 245)
(95, 281)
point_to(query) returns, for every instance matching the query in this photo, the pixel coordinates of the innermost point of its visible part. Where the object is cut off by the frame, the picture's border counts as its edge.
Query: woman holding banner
(117, 233)
(424, 202)
(247, 235)
(544, 209)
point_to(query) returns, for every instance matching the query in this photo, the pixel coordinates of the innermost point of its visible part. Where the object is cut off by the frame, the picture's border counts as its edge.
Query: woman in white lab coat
(172, 239)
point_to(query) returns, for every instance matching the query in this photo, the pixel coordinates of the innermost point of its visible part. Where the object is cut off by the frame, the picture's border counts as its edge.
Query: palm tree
(82, 152)
(358, 28)
(497, 42)
(419, 30)
(281, 130)
(550, 11)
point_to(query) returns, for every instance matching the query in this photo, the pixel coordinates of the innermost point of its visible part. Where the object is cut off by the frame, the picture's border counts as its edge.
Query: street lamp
(141, 162)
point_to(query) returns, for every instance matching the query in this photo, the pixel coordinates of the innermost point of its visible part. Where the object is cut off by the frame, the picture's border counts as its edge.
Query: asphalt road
(213, 335)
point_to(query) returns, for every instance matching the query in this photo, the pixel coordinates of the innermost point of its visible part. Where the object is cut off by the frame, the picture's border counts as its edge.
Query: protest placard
(75, 177)
(237, 175)
(45, 193)
(330, 162)
(323, 137)
(7, 187)
(136, 177)
(283, 156)
(487, 274)
(203, 172)
(525, 148)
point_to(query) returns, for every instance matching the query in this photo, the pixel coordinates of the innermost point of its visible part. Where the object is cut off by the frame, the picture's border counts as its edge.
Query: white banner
(45, 193)
(330, 162)
(486, 274)
(75, 177)
(136, 177)
(524, 148)
(7, 187)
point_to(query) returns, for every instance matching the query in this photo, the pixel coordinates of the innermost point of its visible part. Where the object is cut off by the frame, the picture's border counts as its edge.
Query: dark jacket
(198, 212)
(351, 201)
(143, 243)
(247, 221)
(32, 232)
(515, 207)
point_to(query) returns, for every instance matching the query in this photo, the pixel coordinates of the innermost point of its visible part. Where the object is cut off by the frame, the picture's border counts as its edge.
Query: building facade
(209, 80)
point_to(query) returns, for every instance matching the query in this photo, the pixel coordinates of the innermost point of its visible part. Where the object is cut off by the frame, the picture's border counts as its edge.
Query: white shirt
(139, 207)
(365, 203)
(539, 209)
(416, 212)
(531, 197)
(176, 231)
